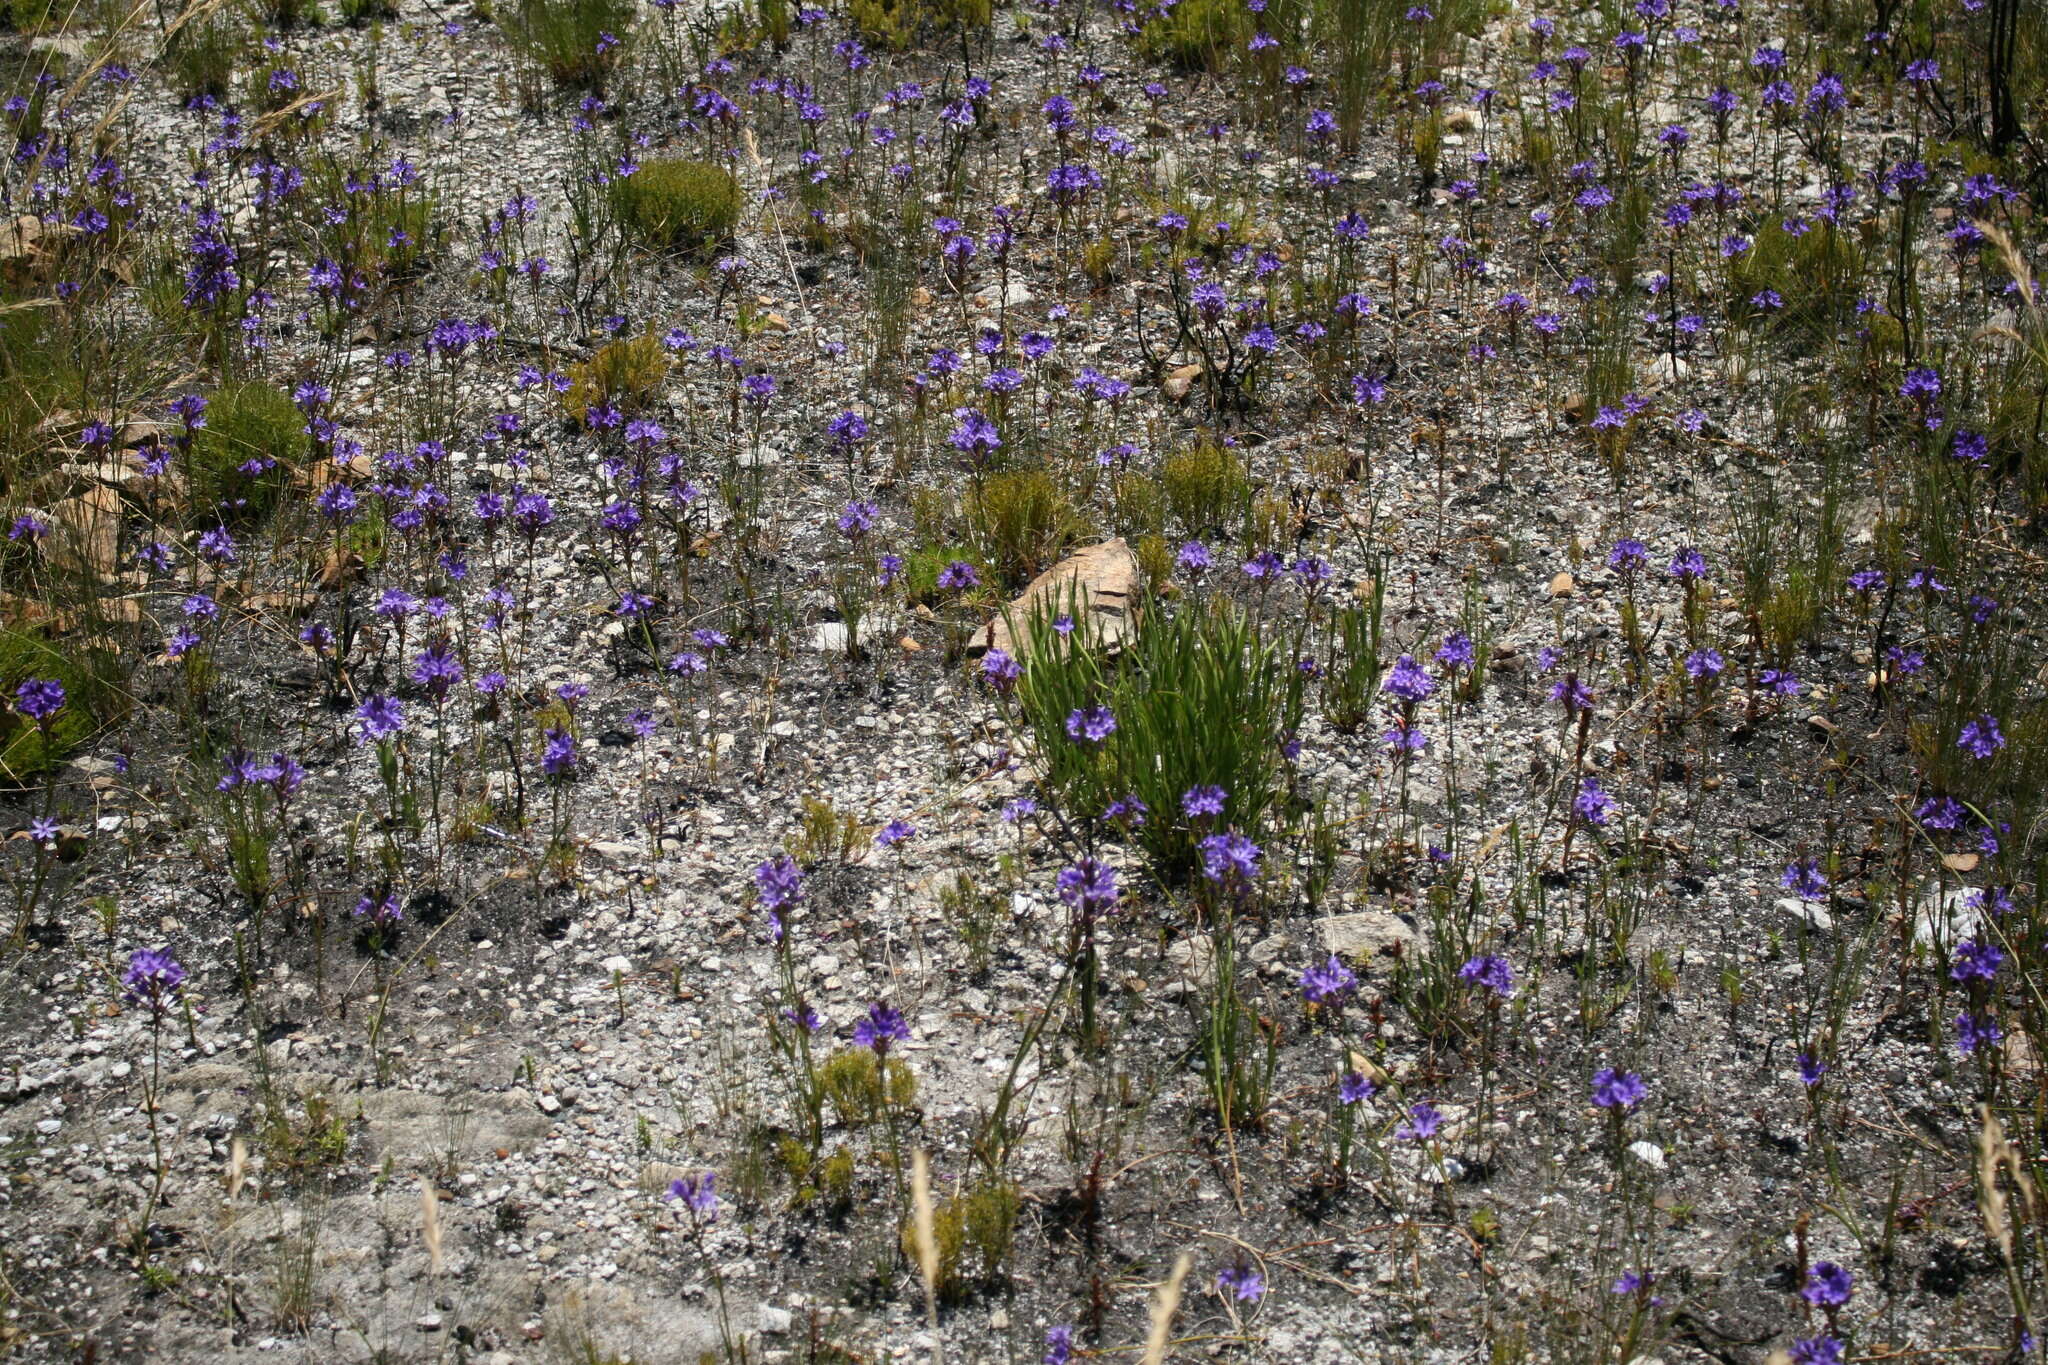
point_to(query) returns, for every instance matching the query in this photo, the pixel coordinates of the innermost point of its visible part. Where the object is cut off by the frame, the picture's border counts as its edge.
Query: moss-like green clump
(679, 205)
(241, 462)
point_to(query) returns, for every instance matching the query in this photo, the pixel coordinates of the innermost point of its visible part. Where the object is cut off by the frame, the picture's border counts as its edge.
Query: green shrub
(26, 16)
(1197, 34)
(1818, 273)
(1206, 490)
(922, 567)
(628, 373)
(1022, 519)
(563, 37)
(895, 24)
(1199, 699)
(974, 1231)
(851, 1080)
(250, 422)
(91, 699)
(202, 57)
(679, 205)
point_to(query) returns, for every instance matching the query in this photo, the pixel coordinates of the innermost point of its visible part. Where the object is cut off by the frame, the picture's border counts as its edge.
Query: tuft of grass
(1197, 35)
(974, 1231)
(576, 42)
(92, 699)
(628, 373)
(1199, 700)
(678, 204)
(1206, 490)
(1021, 520)
(852, 1081)
(896, 25)
(241, 462)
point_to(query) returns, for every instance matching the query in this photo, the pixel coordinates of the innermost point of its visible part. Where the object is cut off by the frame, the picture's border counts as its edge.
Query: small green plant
(1206, 490)
(852, 1080)
(829, 836)
(626, 373)
(1199, 700)
(678, 204)
(241, 462)
(92, 697)
(576, 42)
(1021, 520)
(976, 915)
(974, 1231)
(896, 24)
(202, 57)
(1196, 34)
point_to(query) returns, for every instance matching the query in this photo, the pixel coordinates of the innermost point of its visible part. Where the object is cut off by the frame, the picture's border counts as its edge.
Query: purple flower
(1088, 886)
(895, 832)
(958, 575)
(1353, 1087)
(1000, 671)
(1827, 1285)
(39, 699)
(1328, 983)
(1817, 1351)
(1091, 724)
(1688, 566)
(1805, 880)
(1408, 680)
(857, 519)
(1194, 559)
(153, 978)
(880, 1027)
(1457, 651)
(1981, 738)
(381, 717)
(697, 1194)
(1230, 858)
(1811, 1069)
(1705, 664)
(1491, 972)
(1059, 1345)
(1976, 961)
(1618, 1089)
(1976, 1031)
(558, 755)
(1203, 802)
(780, 882)
(1593, 804)
(1422, 1123)
(1242, 1281)
(975, 435)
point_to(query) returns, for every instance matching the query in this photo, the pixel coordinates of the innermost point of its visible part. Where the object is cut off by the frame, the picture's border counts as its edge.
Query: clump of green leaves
(1206, 489)
(1199, 700)
(896, 24)
(627, 373)
(861, 1090)
(829, 836)
(974, 1230)
(678, 204)
(577, 42)
(1021, 520)
(92, 698)
(1196, 34)
(241, 461)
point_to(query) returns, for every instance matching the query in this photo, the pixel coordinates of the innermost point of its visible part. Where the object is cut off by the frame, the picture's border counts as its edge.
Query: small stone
(1564, 585)
(618, 964)
(1366, 934)
(775, 1321)
(1649, 1153)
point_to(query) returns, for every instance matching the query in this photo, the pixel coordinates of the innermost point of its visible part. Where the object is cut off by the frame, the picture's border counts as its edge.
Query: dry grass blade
(1163, 1309)
(926, 1238)
(430, 1224)
(1995, 1152)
